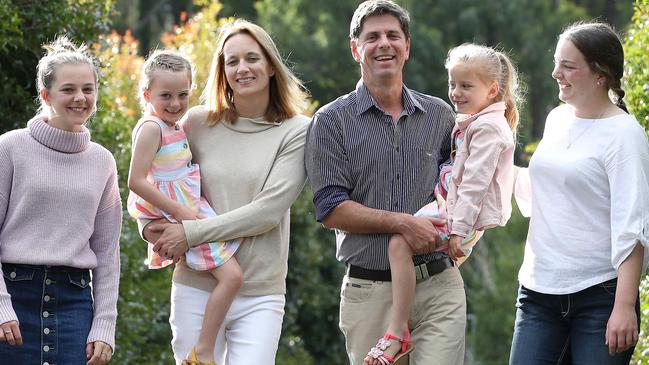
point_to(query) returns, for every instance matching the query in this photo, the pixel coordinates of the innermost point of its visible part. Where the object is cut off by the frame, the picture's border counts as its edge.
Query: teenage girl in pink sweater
(60, 221)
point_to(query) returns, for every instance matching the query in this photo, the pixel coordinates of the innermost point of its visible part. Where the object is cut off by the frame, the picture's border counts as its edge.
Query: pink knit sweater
(60, 205)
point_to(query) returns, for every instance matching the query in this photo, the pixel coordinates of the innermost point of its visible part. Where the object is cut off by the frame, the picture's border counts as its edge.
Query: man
(372, 158)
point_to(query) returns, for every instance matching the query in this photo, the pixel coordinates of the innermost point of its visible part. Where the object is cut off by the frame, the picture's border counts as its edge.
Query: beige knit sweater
(252, 171)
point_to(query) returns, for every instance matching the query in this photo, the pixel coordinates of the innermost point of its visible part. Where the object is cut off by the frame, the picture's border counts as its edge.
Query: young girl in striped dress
(165, 184)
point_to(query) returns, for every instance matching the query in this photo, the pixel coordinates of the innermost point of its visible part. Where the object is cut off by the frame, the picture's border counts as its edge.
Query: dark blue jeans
(54, 308)
(566, 329)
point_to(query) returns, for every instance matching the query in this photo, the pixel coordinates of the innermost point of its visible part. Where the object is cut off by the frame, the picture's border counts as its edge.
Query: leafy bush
(24, 26)
(636, 48)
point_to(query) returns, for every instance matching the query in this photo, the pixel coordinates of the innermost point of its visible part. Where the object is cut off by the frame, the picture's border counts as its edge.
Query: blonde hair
(287, 94)
(492, 65)
(61, 52)
(162, 60)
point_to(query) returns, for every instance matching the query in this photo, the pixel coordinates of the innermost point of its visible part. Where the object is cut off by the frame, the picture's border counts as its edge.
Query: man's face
(381, 49)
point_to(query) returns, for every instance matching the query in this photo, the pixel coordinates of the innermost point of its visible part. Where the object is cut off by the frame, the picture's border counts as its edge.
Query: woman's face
(71, 98)
(577, 82)
(246, 67)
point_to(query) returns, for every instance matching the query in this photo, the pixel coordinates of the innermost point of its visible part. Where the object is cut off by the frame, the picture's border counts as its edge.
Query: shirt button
(12, 275)
(46, 298)
(177, 127)
(397, 176)
(46, 314)
(48, 281)
(46, 348)
(46, 331)
(185, 145)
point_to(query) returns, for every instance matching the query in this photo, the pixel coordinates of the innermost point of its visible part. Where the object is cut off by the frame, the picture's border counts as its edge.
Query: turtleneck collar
(58, 139)
(251, 125)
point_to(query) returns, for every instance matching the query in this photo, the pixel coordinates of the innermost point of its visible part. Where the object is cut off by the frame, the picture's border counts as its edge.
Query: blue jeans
(54, 308)
(566, 329)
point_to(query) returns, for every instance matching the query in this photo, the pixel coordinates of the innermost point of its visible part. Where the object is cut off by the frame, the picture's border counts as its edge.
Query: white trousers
(249, 334)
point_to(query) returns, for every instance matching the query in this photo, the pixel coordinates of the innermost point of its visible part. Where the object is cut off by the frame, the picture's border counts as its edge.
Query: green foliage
(313, 285)
(636, 84)
(24, 26)
(636, 48)
(316, 35)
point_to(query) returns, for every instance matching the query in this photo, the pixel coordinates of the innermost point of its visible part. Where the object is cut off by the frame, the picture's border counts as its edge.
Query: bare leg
(230, 280)
(403, 292)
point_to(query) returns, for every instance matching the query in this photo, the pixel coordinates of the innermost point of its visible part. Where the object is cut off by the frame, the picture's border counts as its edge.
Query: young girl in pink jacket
(474, 191)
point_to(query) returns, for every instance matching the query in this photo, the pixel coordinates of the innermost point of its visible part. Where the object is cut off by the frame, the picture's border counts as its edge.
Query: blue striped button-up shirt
(356, 151)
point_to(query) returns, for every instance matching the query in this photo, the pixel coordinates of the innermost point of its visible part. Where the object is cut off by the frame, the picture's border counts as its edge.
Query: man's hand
(420, 233)
(172, 243)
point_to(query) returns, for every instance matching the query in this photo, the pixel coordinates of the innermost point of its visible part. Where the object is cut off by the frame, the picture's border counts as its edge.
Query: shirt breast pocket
(428, 166)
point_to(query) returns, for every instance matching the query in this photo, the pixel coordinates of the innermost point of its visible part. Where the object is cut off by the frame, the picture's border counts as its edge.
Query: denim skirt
(54, 308)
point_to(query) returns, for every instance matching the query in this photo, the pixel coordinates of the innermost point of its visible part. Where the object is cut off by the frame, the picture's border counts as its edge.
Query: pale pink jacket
(480, 192)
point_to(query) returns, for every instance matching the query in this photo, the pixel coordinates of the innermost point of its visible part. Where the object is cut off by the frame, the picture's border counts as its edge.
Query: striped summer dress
(173, 174)
(437, 208)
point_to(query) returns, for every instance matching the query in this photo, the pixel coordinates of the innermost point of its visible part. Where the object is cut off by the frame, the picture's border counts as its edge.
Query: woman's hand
(172, 243)
(98, 353)
(621, 329)
(622, 326)
(10, 332)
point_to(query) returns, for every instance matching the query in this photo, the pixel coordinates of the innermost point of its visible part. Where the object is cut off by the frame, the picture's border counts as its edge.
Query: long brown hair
(603, 51)
(287, 94)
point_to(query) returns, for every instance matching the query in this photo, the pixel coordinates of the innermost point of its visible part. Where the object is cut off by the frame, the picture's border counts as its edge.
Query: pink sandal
(378, 352)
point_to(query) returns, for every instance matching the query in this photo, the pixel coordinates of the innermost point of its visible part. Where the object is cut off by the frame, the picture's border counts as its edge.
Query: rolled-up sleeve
(327, 164)
(627, 166)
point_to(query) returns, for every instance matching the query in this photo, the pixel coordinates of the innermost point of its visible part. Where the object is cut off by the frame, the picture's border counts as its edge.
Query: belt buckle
(421, 272)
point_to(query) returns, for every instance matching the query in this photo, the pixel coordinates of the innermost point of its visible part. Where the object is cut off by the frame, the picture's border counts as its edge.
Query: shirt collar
(464, 120)
(365, 100)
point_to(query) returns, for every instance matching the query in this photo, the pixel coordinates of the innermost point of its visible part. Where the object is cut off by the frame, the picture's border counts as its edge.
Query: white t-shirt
(589, 201)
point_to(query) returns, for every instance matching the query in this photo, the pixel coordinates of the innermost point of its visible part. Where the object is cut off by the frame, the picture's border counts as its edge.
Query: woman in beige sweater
(248, 138)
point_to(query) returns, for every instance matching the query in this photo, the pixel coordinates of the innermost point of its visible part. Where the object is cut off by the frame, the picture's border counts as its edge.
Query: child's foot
(195, 358)
(389, 350)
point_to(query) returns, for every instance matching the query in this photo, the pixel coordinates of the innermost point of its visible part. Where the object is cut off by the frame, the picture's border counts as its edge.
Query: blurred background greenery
(313, 36)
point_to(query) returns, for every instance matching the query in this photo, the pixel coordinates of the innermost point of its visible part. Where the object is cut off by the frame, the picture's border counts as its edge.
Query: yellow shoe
(193, 359)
